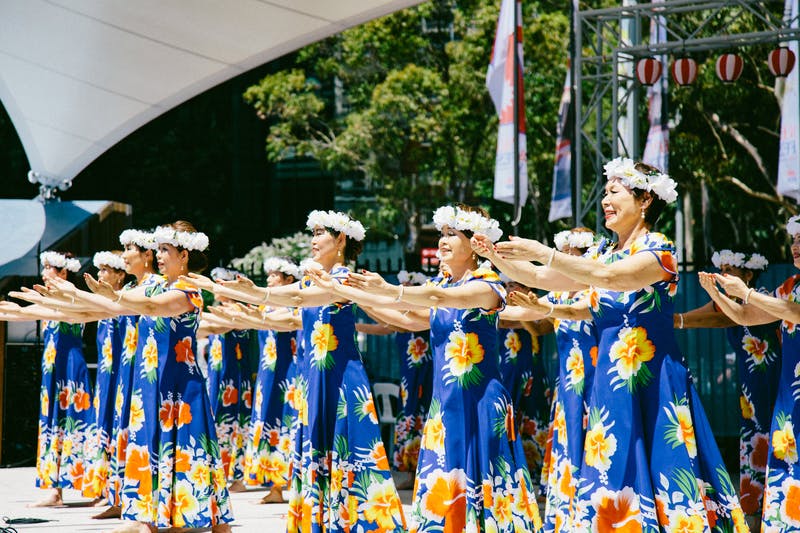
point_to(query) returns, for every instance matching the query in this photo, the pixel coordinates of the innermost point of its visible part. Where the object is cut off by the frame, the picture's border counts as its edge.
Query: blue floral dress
(231, 396)
(758, 365)
(650, 460)
(127, 329)
(782, 493)
(65, 416)
(274, 417)
(341, 479)
(416, 383)
(576, 342)
(99, 447)
(173, 470)
(472, 474)
(523, 375)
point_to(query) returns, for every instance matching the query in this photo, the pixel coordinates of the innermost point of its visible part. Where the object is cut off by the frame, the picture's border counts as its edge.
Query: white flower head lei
(224, 274)
(142, 239)
(307, 263)
(59, 261)
(457, 218)
(793, 226)
(412, 278)
(181, 239)
(728, 257)
(283, 266)
(625, 170)
(109, 259)
(756, 262)
(564, 240)
(338, 221)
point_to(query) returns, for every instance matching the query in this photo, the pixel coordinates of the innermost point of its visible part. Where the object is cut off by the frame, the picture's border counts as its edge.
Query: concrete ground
(17, 490)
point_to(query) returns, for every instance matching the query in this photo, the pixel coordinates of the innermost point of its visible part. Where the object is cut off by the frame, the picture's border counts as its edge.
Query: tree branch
(774, 199)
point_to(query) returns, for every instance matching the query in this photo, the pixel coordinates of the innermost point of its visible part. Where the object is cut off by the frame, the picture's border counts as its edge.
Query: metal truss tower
(608, 44)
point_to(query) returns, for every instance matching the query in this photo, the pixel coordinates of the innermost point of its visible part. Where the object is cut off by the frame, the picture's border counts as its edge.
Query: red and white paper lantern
(684, 70)
(781, 61)
(648, 70)
(729, 67)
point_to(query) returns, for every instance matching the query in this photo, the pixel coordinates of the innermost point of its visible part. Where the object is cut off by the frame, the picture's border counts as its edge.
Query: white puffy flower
(58, 260)
(181, 239)
(306, 264)
(624, 169)
(411, 278)
(581, 239)
(108, 259)
(462, 220)
(336, 221)
(793, 226)
(142, 239)
(272, 264)
(756, 262)
(224, 274)
(727, 257)
(561, 240)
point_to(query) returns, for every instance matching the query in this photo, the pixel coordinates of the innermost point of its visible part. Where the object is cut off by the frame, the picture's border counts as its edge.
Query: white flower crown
(756, 262)
(738, 260)
(659, 184)
(142, 239)
(338, 221)
(728, 257)
(225, 274)
(307, 263)
(282, 265)
(457, 218)
(108, 259)
(793, 226)
(181, 239)
(566, 239)
(59, 260)
(412, 278)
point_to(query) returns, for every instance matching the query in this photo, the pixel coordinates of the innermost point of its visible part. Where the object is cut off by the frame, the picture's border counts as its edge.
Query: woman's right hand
(482, 246)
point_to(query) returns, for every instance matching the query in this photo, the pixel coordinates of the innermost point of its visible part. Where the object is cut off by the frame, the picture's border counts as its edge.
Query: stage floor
(17, 490)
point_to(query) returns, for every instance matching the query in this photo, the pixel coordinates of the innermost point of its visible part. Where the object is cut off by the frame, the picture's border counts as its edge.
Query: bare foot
(237, 486)
(221, 528)
(99, 502)
(275, 495)
(114, 511)
(136, 527)
(52, 500)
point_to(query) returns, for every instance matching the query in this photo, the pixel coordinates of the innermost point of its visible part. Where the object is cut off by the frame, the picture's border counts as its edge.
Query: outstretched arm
(705, 316)
(747, 315)
(760, 308)
(524, 272)
(575, 311)
(244, 290)
(409, 320)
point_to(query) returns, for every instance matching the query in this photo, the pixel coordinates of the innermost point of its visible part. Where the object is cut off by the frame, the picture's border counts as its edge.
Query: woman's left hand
(518, 249)
(321, 279)
(529, 300)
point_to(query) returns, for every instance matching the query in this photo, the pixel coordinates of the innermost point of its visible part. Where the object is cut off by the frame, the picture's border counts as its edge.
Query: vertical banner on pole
(500, 83)
(789, 156)
(561, 197)
(656, 151)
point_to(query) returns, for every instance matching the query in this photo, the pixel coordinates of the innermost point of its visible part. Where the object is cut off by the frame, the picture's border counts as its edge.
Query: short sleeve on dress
(786, 290)
(489, 276)
(662, 248)
(191, 293)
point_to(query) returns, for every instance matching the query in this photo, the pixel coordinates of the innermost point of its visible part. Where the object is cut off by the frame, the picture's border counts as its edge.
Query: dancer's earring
(643, 212)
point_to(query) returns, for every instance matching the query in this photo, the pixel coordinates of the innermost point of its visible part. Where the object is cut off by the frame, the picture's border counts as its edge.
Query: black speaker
(22, 378)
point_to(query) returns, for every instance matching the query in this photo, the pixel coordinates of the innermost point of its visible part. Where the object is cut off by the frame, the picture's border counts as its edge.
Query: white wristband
(680, 323)
(552, 255)
(747, 296)
(552, 307)
(400, 296)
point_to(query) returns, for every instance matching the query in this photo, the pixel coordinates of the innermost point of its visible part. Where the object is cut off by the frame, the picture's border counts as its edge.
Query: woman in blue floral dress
(472, 474)
(650, 461)
(340, 478)
(99, 446)
(758, 366)
(173, 471)
(230, 392)
(65, 416)
(274, 419)
(523, 375)
(782, 492)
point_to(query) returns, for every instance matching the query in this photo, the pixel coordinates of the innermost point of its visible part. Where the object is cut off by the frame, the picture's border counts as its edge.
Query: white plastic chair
(383, 393)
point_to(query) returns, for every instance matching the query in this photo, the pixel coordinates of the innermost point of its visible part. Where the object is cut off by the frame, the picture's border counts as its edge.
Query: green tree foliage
(413, 112)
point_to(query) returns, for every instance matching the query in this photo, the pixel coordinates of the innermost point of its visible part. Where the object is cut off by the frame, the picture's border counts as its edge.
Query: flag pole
(517, 207)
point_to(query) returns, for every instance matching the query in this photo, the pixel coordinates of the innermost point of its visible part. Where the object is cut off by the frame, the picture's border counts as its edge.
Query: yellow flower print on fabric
(629, 354)
(185, 506)
(108, 355)
(756, 349)
(433, 435)
(616, 511)
(463, 353)
(382, 505)
(575, 370)
(150, 358)
(270, 353)
(784, 445)
(512, 343)
(131, 338)
(417, 348)
(137, 413)
(323, 341)
(600, 445)
(215, 353)
(49, 358)
(680, 429)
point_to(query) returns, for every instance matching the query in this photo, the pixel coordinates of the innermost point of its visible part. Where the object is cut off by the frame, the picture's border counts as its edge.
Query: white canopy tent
(77, 76)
